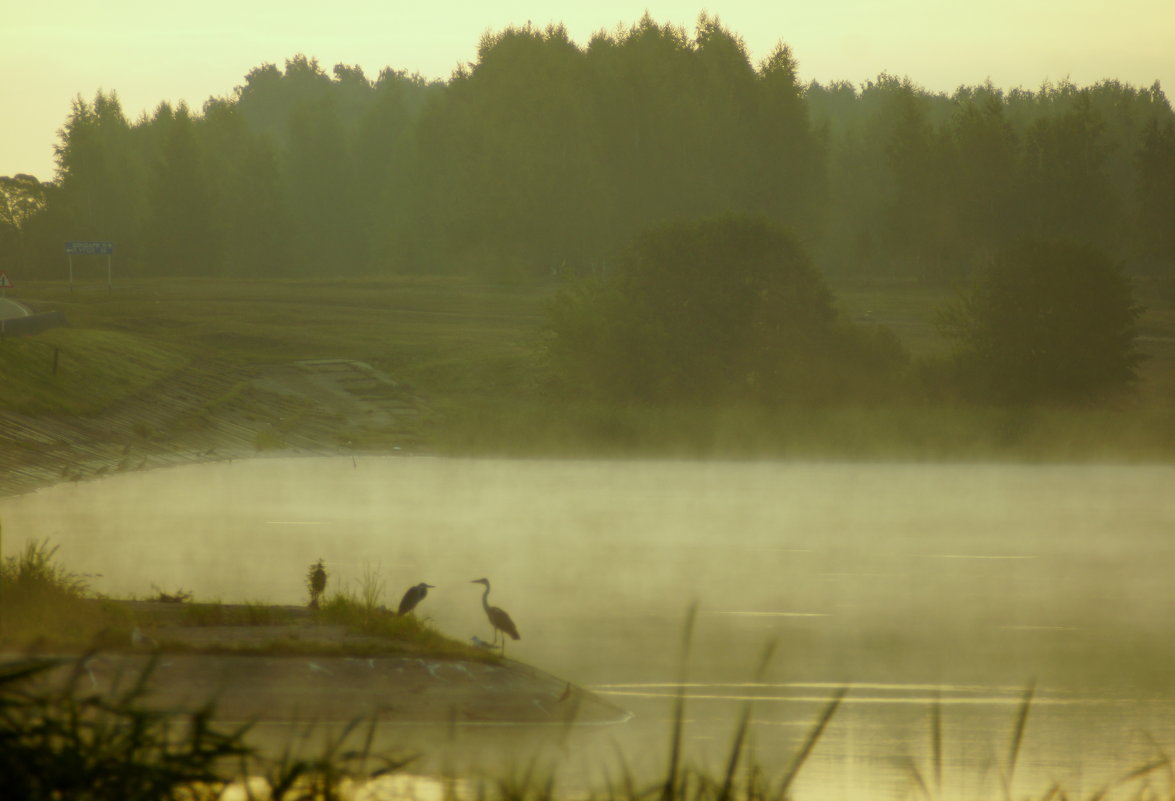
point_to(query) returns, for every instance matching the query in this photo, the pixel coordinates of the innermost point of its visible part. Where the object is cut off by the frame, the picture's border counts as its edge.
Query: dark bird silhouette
(498, 617)
(316, 580)
(412, 597)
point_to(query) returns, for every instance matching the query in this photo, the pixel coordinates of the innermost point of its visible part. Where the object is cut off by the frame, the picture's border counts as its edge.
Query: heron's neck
(485, 596)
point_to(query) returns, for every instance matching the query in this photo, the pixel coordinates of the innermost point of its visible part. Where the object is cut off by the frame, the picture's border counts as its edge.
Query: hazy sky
(150, 51)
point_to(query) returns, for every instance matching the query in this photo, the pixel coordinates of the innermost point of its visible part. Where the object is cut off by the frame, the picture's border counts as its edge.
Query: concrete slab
(10, 309)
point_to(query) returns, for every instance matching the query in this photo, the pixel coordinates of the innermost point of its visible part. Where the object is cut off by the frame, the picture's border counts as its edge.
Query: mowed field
(474, 351)
(443, 335)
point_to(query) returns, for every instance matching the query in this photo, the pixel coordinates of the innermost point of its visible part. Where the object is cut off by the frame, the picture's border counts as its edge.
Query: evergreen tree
(1155, 160)
(23, 199)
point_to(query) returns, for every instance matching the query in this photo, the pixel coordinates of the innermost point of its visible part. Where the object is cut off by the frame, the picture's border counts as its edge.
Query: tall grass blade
(1017, 739)
(936, 743)
(912, 768)
(1137, 773)
(1053, 792)
(736, 749)
(630, 791)
(669, 793)
(813, 737)
(744, 723)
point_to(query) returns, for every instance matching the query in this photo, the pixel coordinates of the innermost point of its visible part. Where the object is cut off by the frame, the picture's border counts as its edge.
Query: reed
(672, 776)
(60, 740)
(1017, 739)
(39, 596)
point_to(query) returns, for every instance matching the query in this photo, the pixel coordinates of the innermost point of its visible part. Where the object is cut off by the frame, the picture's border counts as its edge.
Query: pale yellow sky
(149, 51)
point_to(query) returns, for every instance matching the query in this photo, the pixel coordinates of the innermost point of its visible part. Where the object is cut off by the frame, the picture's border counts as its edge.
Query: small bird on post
(412, 597)
(498, 617)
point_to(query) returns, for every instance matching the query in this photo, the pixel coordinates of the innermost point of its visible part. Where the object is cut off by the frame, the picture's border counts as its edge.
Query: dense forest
(546, 156)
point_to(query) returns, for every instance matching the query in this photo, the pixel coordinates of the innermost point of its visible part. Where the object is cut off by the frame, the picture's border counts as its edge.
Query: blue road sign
(89, 248)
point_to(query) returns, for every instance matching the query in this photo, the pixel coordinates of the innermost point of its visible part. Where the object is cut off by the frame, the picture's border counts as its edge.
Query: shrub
(719, 310)
(1045, 322)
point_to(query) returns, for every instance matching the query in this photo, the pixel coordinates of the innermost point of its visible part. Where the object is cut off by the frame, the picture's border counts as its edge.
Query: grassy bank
(81, 371)
(473, 350)
(46, 608)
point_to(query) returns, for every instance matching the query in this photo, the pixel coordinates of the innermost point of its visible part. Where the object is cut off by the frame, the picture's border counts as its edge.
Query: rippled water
(917, 587)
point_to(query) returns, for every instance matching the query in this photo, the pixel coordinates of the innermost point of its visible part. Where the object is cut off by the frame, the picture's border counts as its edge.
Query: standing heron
(498, 617)
(412, 597)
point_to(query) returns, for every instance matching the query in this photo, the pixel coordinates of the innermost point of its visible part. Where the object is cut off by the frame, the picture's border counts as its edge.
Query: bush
(42, 601)
(719, 310)
(1045, 322)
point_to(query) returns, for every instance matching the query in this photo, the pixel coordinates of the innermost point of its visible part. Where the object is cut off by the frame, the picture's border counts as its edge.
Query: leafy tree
(726, 309)
(1068, 190)
(1156, 192)
(886, 176)
(250, 218)
(513, 155)
(22, 199)
(321, 170)
(986, 169)
(179, 237)
(388, 187)
(917, 220)
(788, 175)
(101, 172)
(543, 154)
(1045, 322)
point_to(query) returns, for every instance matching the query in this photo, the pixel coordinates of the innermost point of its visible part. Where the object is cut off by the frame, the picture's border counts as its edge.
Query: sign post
(91, 249)
(5, 284)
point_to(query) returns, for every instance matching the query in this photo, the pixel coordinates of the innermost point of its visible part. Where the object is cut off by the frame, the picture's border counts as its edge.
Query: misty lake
(961, 585)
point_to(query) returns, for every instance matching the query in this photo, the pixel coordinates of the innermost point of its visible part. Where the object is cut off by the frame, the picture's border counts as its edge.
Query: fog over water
(906, 583)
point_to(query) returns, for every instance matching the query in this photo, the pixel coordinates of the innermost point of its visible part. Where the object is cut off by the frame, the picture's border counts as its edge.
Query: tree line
(545, 156)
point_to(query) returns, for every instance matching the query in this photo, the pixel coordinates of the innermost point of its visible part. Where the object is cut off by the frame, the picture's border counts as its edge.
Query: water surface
(913, 585)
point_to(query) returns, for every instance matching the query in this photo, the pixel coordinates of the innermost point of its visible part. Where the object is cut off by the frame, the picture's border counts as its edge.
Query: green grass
(472, 350)
(81, 371)
(44, 604)
(46, 607)
(444, 336)
(408, 632)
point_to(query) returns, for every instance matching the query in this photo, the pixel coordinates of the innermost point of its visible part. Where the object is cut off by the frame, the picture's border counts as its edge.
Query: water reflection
(914, 585)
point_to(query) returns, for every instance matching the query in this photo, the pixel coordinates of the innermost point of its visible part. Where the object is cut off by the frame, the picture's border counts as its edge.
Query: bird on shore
(498, 617)
(412, 597)
(316, 581)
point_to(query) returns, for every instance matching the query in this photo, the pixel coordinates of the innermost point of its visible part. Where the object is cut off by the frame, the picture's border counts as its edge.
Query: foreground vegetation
(59, 739)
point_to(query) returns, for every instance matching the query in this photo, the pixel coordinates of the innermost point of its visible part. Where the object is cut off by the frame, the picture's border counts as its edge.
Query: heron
(412, 597)
(498, 617)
